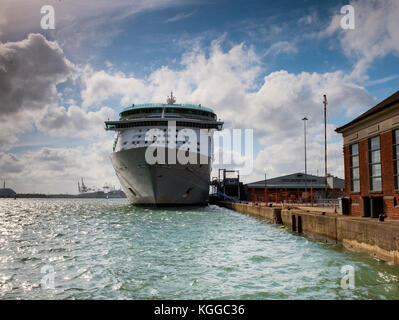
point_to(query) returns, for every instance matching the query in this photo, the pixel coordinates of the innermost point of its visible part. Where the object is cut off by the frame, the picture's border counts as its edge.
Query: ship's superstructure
(179, 137)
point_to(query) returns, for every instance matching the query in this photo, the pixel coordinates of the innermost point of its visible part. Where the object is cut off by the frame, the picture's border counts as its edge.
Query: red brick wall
(387, 163)
(388, 186)
(388, 183)
(347, 165)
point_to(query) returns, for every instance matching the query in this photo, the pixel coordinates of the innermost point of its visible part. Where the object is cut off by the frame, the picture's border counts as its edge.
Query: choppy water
(107, 249)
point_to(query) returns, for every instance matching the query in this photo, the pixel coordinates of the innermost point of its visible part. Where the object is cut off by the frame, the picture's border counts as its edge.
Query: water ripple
(108, 249)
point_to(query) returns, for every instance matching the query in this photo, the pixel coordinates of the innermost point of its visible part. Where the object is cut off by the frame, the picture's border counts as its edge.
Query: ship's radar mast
(171, 99)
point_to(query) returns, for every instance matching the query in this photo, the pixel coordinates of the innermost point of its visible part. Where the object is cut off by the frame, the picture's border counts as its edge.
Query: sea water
(109, 249)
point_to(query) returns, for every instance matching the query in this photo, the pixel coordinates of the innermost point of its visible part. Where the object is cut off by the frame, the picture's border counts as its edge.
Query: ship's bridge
(163, 110)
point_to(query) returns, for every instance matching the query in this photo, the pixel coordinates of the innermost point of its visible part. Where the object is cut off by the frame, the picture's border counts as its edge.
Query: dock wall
(379, 239)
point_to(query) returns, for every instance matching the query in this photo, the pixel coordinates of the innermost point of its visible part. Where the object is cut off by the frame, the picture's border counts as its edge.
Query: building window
(396, 158)
(355, 173)
(375, 164)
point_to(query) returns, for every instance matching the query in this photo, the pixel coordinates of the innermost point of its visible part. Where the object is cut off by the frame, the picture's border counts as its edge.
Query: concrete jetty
(377, 238)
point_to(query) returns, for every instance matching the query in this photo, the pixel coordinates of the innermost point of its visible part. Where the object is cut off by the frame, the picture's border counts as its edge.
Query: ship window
(124, 142)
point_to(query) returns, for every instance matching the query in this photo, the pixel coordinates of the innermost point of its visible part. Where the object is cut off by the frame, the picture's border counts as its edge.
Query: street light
(304, 129)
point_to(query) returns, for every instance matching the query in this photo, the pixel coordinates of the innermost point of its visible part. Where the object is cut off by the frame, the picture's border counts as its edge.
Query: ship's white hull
(169, 184)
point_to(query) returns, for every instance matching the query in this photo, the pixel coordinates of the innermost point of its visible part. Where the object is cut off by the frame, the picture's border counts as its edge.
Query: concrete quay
(377, 238)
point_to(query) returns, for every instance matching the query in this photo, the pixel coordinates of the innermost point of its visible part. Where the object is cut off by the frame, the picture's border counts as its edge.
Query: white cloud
(99, 86)
(281, 47)
(29, 72)
(287, 155)
(375, 34)
(57, 170)
(9, 163)
(276, 109)
(180, 16)
(231, 73)
(308, 19)
(74, 121)
(78, 24)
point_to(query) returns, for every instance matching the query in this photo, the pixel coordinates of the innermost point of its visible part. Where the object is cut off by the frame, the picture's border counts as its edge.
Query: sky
(261, 65)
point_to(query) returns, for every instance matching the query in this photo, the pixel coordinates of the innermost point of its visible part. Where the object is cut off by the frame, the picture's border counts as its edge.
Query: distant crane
(82, 187)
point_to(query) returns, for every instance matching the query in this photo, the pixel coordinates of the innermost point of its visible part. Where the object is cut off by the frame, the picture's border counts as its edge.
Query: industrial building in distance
(7, 192)
(295, 188)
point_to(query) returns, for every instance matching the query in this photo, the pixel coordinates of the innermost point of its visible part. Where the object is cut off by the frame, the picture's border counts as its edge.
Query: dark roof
(379, 107)
(294, 181)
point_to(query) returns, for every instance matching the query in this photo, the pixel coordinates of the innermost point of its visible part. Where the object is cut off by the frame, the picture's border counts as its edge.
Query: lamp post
(325, 145)
(266, 193)
(304, 130)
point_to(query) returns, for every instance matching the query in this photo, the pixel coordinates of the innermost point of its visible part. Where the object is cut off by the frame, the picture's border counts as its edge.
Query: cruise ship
(168, 131)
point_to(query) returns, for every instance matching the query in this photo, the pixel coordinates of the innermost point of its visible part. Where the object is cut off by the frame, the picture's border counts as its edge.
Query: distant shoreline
(94, 195)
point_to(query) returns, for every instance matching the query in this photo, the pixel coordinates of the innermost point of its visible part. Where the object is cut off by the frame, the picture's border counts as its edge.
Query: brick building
(371, 155)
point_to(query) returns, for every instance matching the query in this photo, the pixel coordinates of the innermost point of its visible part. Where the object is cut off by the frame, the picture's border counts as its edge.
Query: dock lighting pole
(306, 171)
(325, 144)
